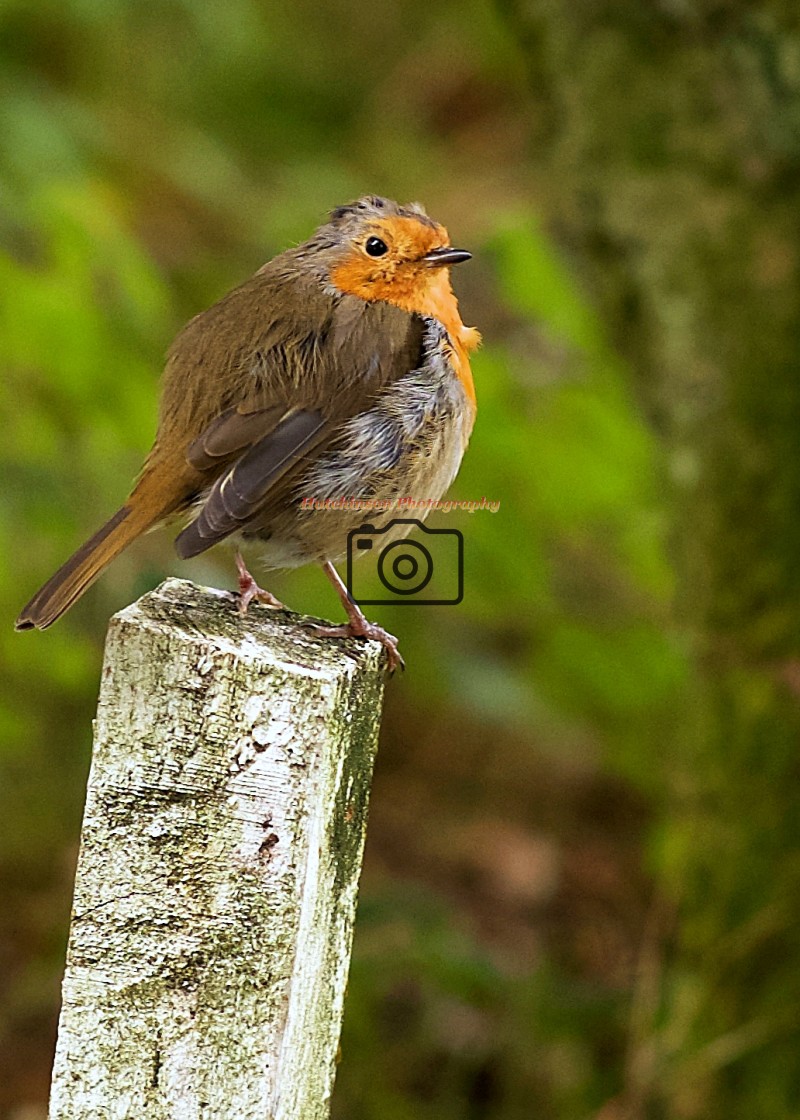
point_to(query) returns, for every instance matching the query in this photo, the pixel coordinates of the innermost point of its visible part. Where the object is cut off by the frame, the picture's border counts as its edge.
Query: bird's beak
(441, 258)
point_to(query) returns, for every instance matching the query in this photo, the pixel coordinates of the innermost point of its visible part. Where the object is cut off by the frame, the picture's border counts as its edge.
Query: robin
(339, 370)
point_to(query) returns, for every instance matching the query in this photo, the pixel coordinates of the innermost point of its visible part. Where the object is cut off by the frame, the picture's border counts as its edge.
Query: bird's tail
(83, 567)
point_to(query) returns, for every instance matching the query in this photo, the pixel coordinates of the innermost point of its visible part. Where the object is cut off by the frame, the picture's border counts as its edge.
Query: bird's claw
(249, 590)
(245, 597)
(367, 630)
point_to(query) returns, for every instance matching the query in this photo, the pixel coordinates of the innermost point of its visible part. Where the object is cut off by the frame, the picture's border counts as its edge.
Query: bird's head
(378, 250)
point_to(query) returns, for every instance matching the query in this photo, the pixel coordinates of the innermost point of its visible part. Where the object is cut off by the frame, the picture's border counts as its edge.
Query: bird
(340, 369)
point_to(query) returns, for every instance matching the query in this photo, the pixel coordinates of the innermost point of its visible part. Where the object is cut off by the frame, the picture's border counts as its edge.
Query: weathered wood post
(216, 887)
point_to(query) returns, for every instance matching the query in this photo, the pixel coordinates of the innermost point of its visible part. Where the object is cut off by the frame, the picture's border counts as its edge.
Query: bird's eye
(375, 247)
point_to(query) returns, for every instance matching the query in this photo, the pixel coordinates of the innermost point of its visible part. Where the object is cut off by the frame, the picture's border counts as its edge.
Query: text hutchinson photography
(403, 505)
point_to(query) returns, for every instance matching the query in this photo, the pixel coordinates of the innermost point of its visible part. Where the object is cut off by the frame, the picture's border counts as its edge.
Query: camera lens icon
(405, 567)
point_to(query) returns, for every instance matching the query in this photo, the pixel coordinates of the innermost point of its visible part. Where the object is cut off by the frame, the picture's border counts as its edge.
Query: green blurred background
(581, 889)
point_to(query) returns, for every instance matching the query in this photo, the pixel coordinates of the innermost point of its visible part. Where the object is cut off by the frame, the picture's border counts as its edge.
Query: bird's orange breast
(434, 297)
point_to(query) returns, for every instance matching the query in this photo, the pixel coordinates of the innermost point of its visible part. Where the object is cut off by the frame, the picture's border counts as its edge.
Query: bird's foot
(249, 590)
(358, 626)
(361, 628)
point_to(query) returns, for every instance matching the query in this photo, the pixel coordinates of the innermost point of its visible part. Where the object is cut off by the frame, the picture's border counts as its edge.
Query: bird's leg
(249, 589)
(358, 625)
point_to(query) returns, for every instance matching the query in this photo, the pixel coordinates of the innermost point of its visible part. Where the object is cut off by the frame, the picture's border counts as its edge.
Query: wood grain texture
(221, 848)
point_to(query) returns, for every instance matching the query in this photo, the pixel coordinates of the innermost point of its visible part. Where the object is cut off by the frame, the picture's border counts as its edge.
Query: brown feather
(238, 494)
(229, 433)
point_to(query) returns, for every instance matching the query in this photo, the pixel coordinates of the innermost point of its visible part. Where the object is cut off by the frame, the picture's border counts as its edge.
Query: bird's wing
(231, 433)
(301, 385)
(240, 491)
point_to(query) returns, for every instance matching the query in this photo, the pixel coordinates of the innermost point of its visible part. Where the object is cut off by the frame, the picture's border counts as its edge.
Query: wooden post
(216, 887)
